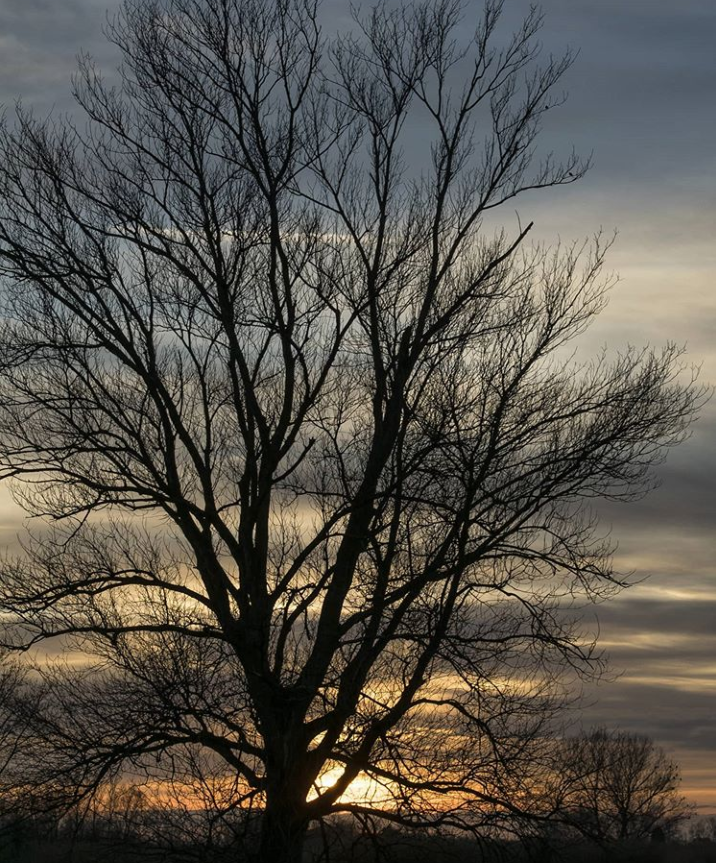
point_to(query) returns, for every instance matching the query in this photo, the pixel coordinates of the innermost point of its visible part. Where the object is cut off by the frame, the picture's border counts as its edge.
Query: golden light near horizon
(363, 790)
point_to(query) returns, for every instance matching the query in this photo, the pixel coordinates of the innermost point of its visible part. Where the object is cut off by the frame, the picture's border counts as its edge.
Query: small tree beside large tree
(618, 786)
(312, 463)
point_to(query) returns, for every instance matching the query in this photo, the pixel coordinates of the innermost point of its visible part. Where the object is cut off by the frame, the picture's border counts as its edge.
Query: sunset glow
(363, 789)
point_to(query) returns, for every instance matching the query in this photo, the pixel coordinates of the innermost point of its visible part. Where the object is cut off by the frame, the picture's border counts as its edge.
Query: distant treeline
(107, 840)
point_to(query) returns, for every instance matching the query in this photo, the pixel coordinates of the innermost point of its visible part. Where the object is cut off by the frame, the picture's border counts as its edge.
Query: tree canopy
(619, 785)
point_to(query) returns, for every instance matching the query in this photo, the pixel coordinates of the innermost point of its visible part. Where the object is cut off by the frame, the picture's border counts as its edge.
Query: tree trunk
(283, 832)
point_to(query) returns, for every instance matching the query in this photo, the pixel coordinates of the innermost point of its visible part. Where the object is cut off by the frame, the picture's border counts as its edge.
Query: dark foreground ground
(39, 849)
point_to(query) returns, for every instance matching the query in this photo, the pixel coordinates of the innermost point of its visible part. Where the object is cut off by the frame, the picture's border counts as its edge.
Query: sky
(641, 95)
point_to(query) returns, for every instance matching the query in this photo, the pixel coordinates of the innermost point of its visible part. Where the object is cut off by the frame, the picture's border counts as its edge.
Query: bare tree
(19, 801)
(11, 678)
(618, 785)
(314, 460)
(703, 830)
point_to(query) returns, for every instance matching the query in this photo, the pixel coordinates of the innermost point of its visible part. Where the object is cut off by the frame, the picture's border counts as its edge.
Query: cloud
(39, 45)
(653, 709)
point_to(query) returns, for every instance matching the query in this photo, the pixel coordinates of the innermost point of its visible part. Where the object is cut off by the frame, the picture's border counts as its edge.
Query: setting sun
(363, 789)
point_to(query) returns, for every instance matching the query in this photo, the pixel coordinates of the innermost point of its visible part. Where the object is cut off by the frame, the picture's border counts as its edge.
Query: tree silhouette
(11, 678)
(312, 461)
(618, 785)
